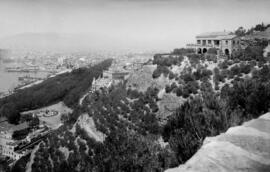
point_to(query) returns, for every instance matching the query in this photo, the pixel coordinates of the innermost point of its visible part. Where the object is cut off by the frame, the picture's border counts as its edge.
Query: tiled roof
(216, 35)
(226, 37)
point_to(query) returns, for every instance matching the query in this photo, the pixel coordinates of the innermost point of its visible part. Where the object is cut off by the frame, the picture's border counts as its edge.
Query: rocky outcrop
(142, 79)
(266, 51)
(87, 123)
(244, 148)
(167, 105)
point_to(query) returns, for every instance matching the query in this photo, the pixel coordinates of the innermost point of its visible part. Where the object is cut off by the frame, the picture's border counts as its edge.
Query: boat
(22, 69)
(28, 78)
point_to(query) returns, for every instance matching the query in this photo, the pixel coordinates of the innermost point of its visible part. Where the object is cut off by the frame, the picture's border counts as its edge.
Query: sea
(9, 80)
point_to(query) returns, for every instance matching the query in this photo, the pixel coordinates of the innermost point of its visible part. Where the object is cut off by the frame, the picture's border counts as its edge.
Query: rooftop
(7, 127)
(217, 35)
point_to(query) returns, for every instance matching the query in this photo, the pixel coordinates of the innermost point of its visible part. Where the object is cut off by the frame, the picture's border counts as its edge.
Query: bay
(9, 80)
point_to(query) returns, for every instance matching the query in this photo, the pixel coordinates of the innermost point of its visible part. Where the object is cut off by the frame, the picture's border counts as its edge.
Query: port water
(10, 80)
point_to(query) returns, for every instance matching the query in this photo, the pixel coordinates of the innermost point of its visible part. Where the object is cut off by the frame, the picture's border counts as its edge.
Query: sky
(133, 24)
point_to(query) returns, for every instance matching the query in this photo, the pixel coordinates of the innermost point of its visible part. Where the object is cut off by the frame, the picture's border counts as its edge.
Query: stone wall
(243, 148)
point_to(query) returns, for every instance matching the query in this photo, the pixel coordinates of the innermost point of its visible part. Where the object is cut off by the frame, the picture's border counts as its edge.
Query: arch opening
(204, 50)
(199, 51)
(227, 52)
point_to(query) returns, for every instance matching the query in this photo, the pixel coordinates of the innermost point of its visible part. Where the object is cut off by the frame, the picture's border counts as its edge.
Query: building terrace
(224, 42)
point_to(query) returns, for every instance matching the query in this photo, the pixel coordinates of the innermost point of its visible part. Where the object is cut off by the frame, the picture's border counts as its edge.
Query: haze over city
(134, 85)
(122, 24)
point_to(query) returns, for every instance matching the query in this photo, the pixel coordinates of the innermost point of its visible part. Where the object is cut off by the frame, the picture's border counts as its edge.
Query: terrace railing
(199, 45)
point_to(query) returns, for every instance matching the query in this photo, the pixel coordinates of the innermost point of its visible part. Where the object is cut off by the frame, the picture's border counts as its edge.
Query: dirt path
(29, 164)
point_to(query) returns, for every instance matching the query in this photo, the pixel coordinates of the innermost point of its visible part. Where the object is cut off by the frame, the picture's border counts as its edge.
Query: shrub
(20, 134)
(173, 86)
(160, 70)
(235, 70)
(179, 91)
(194, 59)
(206, 86)
(188, 77)
(10, 110)
(167, 59)
(202, 73)
(212, 51)
(133, 93)
(245, 68)
(191, 123)
(183, 51)
(254, 51)
(185, 92)
(216, 86)
(238, 54)
(217, 76)
(252, 63)
(230, 62)
(171, 75)
(168, 89)
(224, 73)
(211, 57)
(223, 65)
(193, 87)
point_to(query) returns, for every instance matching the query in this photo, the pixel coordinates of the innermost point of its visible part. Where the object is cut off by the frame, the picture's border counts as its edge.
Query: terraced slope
(244, 148)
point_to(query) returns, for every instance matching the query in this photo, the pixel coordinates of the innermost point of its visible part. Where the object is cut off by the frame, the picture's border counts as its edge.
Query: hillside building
(119, 76)
(7, 149)
(109, 78)
(7, 144)
(224, 42)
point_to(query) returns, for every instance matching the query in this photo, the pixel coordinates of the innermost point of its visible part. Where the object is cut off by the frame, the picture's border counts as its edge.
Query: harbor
(11, 81)
(22, 69)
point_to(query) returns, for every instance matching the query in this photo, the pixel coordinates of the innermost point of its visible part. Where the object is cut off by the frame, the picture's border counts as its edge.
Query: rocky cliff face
(244, 148)
(87, 123)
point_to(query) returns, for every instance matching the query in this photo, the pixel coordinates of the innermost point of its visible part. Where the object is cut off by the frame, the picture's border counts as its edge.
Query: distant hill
(77, 42)
(59, 41)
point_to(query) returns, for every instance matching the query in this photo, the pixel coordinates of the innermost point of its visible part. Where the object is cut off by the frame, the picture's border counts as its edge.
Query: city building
(119, 76)
(109, 78)
(224, 42)
(102, 82)
(7, 144)
(7, 148)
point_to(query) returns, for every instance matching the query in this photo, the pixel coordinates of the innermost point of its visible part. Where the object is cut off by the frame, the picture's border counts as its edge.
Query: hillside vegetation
(214, 94)
(127, 119)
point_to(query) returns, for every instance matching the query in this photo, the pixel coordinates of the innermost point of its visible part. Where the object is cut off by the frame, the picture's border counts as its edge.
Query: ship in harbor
(28, 78)
(32, 69)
